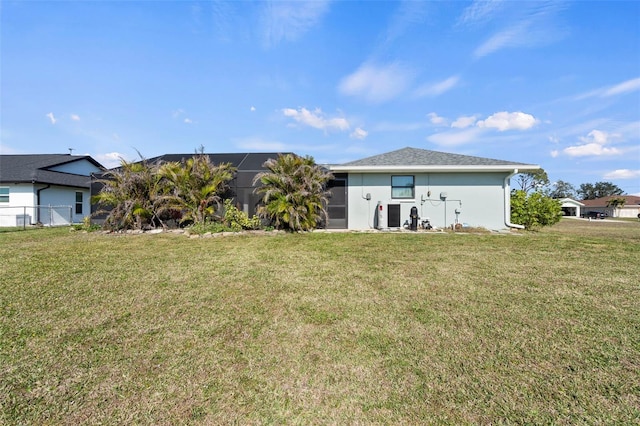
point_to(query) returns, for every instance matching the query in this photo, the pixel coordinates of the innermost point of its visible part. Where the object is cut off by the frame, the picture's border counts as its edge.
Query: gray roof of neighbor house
(35, 168)
(423, 159)
(630, 200)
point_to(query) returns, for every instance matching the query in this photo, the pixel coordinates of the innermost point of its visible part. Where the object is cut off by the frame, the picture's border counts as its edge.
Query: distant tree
(533, 181)
(294, 195)
(588, 191)
(562, 189)
(534, 210)
(197, 186)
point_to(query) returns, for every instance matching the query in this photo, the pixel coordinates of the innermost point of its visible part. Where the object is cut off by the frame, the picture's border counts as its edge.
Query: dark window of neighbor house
(4, 194)
(78, 202)
(402, 187)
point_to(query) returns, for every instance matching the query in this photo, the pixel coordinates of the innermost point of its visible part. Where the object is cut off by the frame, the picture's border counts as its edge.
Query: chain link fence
(23, 216)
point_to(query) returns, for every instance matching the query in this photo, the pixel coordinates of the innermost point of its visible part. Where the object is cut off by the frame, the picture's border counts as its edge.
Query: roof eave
(438, 169)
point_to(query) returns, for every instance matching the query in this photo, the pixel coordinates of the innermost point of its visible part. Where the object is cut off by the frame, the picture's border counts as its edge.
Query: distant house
(571, 207)
(631, 207)
(447, 189)
(50, 189)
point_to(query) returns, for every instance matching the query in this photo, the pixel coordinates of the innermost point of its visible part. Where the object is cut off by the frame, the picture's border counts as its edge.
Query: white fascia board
(428, 169)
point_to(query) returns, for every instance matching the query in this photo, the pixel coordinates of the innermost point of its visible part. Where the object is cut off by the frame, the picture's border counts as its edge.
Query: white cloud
(316, 119)
(509, 121)
(359, 133)
(594, 145)
(290, 20)
(177, 113)
(109, 159)
(438, 88)
(75, 117)
(590, 149)
(464, 122)
(510, 37)
(623, 174)
(554, 153)
(188, 121)
(51, 118)
(252, 109)
(377, 83)
(436, 119)
(454, 138)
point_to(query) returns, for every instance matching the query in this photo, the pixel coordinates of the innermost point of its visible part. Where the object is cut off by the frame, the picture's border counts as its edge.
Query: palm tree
(131, 195)
(197, 186)
(293, 192)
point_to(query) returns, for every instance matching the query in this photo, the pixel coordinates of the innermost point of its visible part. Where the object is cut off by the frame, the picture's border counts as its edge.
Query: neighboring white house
(448, 189)
(571, 207)
(51, 189)
(631, 206)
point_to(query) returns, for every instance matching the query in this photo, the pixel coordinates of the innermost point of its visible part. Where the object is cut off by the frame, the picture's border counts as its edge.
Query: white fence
(23, 216)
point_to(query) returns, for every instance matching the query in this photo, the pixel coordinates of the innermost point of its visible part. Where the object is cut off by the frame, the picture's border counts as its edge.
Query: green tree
(534, 210)
(197, 186)
(562, 189)
(532, 181)
(588, 191)
(293, 192)
(131, 195)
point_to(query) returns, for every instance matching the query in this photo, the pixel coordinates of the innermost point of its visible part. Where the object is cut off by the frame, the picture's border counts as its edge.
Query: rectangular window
(402, 187)
(78, 202)
(4, 194)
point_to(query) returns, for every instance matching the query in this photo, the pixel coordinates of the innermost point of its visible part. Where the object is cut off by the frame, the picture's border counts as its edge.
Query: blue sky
(549, 83)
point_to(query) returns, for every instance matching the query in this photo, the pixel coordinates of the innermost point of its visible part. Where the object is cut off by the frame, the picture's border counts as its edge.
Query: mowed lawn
(322, 328)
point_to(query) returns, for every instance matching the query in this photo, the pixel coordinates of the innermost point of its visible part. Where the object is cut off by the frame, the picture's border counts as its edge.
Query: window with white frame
(4, 194)
(402, 187)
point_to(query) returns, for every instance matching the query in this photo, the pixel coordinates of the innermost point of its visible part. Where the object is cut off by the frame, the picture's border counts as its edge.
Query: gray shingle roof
(423, 157)
(34, 168)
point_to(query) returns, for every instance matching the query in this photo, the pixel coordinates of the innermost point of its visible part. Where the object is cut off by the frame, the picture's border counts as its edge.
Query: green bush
(534, 210)
(238, 220)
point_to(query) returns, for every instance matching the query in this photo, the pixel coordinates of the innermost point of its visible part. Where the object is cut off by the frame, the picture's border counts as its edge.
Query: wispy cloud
(408, 14)
(594, 145)
(290, 20)
(622, 174)
(51, 118)
(359, 133)
(463, 122)
(455, 137)
(109, 159)
(525, 25)
(259, 144)
(436, 119)
(479, 11)
(436, 89)
(377, 83)
(508, 121)
(618, 89)
(75, 117)
(316, 119)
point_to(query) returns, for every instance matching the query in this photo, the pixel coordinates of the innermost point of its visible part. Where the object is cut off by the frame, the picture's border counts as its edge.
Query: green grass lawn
(322, 328)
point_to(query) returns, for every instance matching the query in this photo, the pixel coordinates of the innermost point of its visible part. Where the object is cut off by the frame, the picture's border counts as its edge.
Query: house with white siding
(48, 189)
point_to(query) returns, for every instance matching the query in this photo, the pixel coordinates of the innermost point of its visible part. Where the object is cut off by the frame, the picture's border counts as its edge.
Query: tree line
(539, 181)
(196, 192)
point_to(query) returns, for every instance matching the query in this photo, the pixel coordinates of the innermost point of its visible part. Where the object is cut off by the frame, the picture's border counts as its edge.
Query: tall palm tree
(197, 186)
(294, 194)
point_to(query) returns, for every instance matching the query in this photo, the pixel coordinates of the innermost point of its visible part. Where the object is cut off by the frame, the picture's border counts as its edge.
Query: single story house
(571, 207)
(446, 189)
(631, 207)
(49, 189)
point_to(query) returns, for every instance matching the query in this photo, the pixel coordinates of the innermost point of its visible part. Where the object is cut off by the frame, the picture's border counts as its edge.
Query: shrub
(238, 220)
(534, 210)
